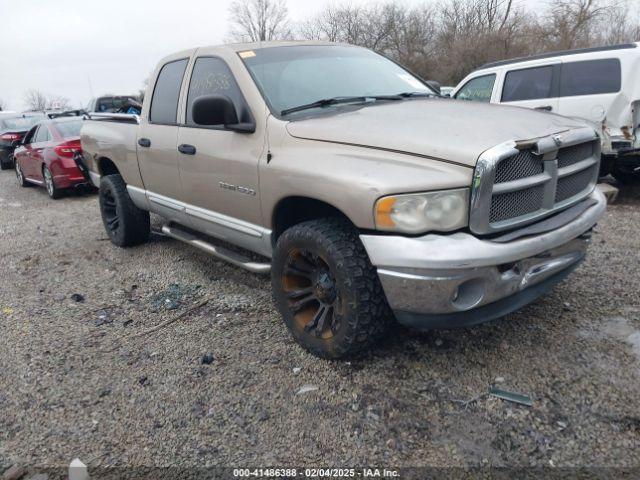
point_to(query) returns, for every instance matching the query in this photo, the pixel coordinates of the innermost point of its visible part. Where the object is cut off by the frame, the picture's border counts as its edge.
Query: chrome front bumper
(450, 280)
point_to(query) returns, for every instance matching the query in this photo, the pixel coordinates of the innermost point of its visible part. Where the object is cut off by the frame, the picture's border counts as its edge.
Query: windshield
(292, 76)
(19, 124)
(69, 129)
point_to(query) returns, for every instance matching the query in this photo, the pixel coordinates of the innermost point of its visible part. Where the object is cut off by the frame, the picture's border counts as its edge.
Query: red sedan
(45, 157)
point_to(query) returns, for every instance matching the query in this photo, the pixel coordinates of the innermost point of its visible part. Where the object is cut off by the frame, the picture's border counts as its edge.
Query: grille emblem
(557, 139)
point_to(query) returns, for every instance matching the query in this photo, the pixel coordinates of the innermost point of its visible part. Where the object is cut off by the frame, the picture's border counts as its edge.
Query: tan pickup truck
(365, 196)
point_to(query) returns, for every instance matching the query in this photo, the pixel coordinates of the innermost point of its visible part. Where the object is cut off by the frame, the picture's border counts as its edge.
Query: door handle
(144, 142)
(548, 108)
(187, 149)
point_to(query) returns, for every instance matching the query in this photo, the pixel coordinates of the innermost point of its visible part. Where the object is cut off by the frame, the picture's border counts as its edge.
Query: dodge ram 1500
(343, 175)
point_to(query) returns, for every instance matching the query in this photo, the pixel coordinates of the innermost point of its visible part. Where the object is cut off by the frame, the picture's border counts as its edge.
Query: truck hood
(454, 131)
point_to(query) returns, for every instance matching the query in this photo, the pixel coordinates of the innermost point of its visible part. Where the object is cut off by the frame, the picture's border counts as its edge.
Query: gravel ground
(75, 382)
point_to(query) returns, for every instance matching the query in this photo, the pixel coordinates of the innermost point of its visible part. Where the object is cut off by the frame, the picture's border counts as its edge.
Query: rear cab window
(212, 76)
(528, 84)
(478, 89)
(590, 77)
(166, 94)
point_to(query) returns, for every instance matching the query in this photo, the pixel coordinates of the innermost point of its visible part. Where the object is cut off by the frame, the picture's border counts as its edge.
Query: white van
(601, 85)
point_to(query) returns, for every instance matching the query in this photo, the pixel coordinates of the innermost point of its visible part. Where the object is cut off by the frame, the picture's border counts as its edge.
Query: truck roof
(240, 47)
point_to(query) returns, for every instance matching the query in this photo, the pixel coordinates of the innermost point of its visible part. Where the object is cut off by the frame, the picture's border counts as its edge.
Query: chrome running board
(234, 258)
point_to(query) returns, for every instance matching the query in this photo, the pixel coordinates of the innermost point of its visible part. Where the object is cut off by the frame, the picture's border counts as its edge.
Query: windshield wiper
(325, 102)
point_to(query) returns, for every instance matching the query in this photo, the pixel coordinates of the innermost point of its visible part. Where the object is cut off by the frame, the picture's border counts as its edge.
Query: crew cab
(365, 195)
(597, 84)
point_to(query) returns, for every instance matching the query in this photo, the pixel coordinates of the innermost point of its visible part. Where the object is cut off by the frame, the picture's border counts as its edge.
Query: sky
(83, 48)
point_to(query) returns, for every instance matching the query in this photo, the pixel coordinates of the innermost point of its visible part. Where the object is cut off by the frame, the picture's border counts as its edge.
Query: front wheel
(20, 176)
(326, 289)
(126, 224)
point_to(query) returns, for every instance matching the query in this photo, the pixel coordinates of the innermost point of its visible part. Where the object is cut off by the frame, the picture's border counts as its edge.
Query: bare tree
(448, 40)
(259, 20)
(572, 23)
(36, 100)
(618, 25)
(2, 105)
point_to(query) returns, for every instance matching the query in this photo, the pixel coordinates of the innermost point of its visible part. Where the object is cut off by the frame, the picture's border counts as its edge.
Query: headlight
(443, 211)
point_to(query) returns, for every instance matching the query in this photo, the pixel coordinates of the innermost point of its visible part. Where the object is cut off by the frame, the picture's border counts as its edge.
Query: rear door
(157, 142)
(589, 88)
(532, 87)
(220, 173)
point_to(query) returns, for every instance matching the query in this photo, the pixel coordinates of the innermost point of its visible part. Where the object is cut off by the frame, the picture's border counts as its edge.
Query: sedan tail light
(10, 137)
(67, 150)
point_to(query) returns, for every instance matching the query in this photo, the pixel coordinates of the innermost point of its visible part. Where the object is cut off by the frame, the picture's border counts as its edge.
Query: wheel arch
(292, 210)
(106, 166)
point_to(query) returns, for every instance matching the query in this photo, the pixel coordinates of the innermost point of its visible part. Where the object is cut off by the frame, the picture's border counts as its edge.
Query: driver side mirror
(218, 110)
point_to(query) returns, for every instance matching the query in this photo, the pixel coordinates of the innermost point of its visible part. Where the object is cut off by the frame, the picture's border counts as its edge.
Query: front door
(219, 168)
(157, 143)
(24, 153)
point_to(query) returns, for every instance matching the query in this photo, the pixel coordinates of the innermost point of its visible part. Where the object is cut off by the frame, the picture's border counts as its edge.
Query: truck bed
(111, 138)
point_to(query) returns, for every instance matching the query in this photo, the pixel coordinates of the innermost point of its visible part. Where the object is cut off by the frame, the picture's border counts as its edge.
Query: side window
(42, 135)
(212, 76)
(478, 89)
(164, 104)
(590, 77)
(29, 137)
(528, 84)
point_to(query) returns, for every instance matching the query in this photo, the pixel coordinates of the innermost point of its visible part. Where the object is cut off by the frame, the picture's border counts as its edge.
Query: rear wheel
(53, 191)
(326, 289)
(126, 224)
(21, 180)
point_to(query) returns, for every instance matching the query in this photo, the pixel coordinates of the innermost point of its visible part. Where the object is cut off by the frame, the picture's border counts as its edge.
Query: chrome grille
(572, 185)
(514, 204)
(574, 154)
(524, 164)
(517, 184)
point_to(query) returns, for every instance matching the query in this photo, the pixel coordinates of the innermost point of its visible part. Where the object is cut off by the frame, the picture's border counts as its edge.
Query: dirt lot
(76, 382)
